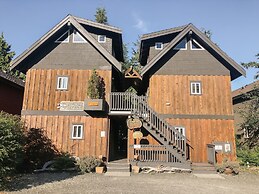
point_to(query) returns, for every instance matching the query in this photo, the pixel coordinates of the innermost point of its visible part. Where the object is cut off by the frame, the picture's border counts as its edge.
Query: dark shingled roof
(11, 79)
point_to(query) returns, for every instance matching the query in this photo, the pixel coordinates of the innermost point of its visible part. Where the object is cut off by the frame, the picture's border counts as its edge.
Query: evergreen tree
(100, 16)
(253, 64)
(6, 54)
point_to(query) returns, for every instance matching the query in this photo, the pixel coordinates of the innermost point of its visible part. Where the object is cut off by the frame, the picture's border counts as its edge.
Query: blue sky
(234, 23)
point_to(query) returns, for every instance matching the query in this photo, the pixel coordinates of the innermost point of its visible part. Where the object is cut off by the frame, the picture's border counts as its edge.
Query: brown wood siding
(200, 132)
(58, 129)
(170, 94)
(41, 92)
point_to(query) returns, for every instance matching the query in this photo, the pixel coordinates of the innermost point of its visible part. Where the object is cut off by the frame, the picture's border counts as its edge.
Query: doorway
(118, 142)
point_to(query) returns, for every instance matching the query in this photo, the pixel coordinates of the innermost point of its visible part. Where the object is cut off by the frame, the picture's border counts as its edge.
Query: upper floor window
(77, 131)
(195, 45)
(62, 82)
(182, 45)
(101, 38)
(78, 38)
(158, 45)
(64, 38)
(195, 87)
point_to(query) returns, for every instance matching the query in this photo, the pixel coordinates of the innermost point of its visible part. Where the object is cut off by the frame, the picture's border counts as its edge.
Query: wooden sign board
(71, 106)
(93, 103)
(134, 123)
(137, 135)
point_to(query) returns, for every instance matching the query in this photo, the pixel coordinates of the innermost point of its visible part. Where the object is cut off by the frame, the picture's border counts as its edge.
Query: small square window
(77, 131)
(101, 38)
(62, 82)
(195, 87)
(158, 45)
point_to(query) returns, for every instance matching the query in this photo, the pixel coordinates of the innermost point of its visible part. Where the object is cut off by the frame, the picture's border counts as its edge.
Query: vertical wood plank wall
(170, 94)
(41, 93)
(58, 129)
(200, 132)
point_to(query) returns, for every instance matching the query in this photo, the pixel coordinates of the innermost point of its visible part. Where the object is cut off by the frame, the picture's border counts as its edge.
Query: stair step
(117, 173)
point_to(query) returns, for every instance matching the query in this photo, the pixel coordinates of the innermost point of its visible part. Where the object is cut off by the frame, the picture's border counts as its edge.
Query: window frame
(73, 128)
(73, 39)
(63, 78)
(98, 38)
(195, 92)
(157, 48)
(67, 41)
(197, 44)
(185, 48)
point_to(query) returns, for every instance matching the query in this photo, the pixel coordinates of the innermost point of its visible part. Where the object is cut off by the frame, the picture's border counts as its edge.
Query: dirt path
(64, 183)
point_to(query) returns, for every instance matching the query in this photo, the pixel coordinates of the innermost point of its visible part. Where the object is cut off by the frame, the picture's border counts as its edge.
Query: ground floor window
(180, 130)
(77, 131)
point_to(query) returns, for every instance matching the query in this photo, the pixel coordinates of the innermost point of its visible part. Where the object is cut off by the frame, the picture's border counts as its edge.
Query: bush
(11, 143)
(38, 149)
(88, 164)
(64, 162)
(248, 156)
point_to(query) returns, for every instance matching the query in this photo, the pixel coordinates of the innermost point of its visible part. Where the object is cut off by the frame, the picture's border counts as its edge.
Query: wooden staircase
(173, 142)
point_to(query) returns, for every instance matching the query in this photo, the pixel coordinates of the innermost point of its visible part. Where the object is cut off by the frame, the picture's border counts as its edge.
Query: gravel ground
(64, 183)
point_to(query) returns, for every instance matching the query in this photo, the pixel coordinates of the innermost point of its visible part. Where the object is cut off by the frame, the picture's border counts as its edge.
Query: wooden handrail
(138, 106)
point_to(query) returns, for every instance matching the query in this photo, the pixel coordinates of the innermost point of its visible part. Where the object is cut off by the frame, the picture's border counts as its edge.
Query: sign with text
(71, 106)
(134, 123)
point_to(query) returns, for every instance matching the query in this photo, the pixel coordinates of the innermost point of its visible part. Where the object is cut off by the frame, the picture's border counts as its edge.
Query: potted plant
(100, 167)
(95, 93)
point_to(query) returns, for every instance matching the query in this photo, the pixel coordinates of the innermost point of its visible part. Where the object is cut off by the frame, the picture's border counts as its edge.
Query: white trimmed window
(180, 130)
(62, 82)
(101, 38)
(78, 38)
(182, 45)
(158, 45)
(64, 38)
(246, 133)
(195, 45)
(77, 131)
(195, 87)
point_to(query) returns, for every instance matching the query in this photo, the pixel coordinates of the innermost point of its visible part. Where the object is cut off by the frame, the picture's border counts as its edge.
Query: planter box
(94, 105)
(99, 170)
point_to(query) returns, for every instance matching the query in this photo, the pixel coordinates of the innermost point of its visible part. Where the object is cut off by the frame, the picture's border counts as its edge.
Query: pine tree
(100, 16)
(253, 64)
(6, 54)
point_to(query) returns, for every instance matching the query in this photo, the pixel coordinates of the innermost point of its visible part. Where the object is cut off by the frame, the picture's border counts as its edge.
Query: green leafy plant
(87, 164)
(38, 149)
(63, 162)
(11, 143)
(96, 86)
(248, 156)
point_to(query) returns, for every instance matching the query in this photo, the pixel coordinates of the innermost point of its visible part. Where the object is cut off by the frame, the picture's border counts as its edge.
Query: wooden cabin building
(183, 101)
(11, 93)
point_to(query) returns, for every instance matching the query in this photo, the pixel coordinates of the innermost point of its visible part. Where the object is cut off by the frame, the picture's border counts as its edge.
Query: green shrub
(248, 156)
(63, 162)
(88, 164)
(38, 149)
(11, 143)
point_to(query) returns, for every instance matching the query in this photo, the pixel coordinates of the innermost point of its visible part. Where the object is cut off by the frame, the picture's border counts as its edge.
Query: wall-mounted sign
(137, 135)
(102, 133)
(134, 123)
(227, 147)
(218, 147)
(71, 106)
(137, 146)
